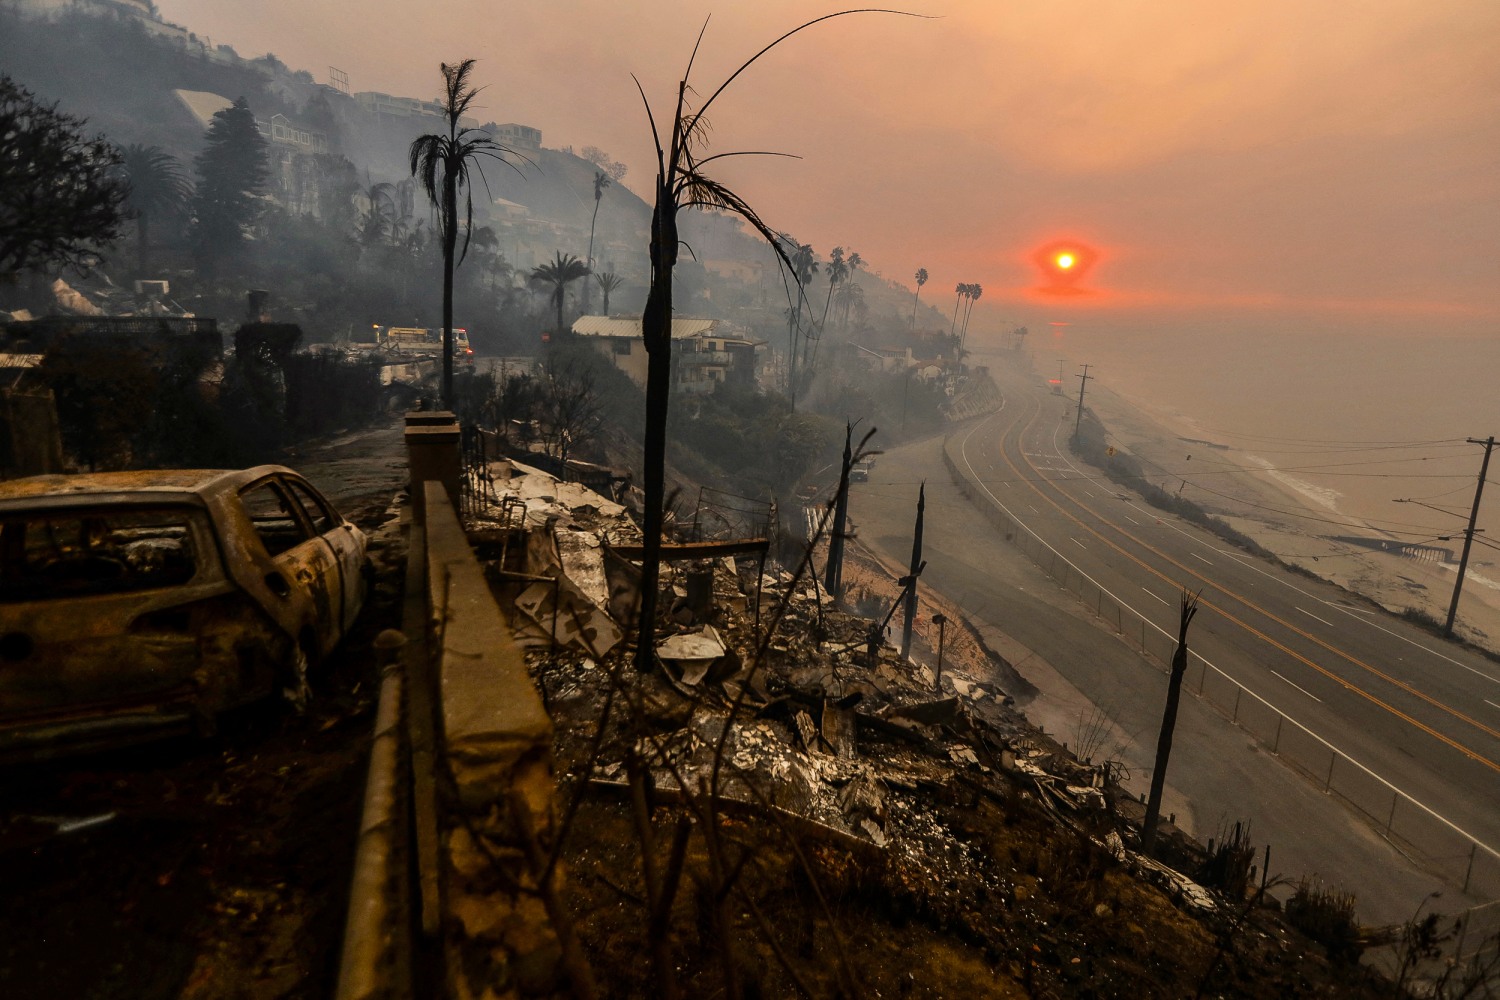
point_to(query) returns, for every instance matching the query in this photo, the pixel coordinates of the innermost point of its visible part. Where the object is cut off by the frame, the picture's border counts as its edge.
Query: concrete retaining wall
(496, 744)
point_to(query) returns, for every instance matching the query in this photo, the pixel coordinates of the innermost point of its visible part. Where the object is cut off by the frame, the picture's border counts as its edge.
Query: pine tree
(232, 174)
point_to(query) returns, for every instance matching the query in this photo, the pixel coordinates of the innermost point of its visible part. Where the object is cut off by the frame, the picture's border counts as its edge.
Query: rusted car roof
(202, 482)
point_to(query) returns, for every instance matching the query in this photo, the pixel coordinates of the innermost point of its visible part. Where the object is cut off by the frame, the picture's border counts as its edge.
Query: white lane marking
(1077, 542)
(1033, 509)
(1488, 702)
(1200, 558)
(1314, 617)
(1089, 492)
(1167, 603)
(1304, 690)
(1429, 810)
(1131, 520)
(1349, 607)
(1005, 484)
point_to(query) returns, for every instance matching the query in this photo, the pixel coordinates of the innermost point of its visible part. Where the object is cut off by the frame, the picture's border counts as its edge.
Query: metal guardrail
(1417, 830)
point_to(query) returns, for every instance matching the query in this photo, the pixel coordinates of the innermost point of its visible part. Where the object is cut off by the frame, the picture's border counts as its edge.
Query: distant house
(397, 107)
(705, 352)
(889, 359)
(897, 360)
(516, 136)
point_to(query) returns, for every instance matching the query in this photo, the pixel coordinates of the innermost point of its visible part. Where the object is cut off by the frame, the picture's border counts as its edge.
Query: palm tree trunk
(450, 242)
(590, 263)
(914, 300)
(562, 291)
(656, 327)
(791, 362)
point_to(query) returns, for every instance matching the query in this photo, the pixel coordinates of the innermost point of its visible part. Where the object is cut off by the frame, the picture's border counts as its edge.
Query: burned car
(138, 604)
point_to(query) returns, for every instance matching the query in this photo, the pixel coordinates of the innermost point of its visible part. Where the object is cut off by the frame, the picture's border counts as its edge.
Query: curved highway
(1421, 715)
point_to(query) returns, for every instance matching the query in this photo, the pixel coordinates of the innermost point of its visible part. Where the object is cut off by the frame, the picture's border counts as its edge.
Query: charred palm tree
(442, 162)
(560, 273)
(157, 188)
(681, 182)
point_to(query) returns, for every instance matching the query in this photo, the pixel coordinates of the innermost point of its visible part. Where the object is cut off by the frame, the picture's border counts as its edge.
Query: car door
(294, 565)
(345, 542)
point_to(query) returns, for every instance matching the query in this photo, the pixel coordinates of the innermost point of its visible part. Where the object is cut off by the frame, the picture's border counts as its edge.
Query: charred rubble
(786, 806)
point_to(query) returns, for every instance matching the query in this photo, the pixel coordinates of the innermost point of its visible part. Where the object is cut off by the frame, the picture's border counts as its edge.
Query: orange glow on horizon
(1064, 264)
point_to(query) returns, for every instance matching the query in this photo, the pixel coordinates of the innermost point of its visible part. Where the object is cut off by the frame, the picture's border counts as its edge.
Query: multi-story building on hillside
(705, 352)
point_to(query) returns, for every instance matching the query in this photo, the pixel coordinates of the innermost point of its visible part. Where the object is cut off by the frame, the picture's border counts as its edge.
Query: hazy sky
(1287, 163)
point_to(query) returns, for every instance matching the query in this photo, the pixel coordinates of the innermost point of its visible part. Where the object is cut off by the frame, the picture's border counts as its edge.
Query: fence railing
(1417, 830)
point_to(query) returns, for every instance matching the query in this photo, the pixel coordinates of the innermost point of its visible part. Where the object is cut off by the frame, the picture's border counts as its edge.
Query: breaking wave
(1321, 495)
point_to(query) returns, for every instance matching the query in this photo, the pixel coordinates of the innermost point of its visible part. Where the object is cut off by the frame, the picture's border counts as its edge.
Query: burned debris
(773, 758)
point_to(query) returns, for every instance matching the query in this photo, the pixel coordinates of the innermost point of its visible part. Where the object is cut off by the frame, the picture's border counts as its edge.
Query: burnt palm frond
(682, 183)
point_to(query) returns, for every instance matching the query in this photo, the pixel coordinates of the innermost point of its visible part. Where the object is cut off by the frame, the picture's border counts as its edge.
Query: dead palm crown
(681, 183)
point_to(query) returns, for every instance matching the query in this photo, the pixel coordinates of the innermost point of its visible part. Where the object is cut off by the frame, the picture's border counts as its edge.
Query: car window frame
(289, 501)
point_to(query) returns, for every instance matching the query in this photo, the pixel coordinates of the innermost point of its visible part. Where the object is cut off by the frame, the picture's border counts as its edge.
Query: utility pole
(1463, 561)
(1168, 724)
(916, 571)
(1083, 383)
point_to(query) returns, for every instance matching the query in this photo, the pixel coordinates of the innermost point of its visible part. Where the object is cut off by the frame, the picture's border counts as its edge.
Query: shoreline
(1297, 521)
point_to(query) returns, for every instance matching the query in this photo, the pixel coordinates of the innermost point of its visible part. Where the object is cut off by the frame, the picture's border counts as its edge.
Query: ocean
(1350, 423)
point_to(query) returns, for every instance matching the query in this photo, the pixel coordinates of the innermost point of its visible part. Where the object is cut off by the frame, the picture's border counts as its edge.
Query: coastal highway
(1396, 703)
(1422, 714)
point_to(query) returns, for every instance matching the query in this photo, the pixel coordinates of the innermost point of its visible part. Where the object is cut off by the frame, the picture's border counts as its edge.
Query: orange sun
(1064, 265)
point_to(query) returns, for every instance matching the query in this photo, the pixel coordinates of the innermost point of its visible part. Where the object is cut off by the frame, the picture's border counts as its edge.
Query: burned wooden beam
(679, 551)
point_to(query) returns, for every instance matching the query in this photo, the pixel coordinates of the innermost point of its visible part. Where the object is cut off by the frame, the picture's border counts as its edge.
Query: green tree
(442, 162)
(921, 277)
(232, 174)
(61, 199)
(157, 189)
(560, 273)
(601, 181)
(608, 282)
